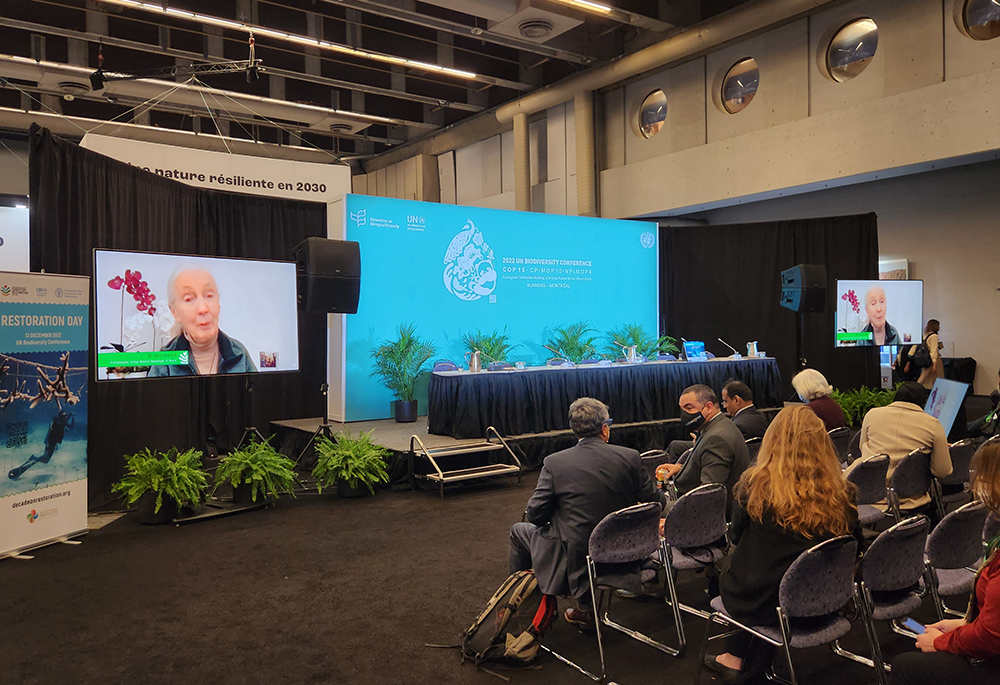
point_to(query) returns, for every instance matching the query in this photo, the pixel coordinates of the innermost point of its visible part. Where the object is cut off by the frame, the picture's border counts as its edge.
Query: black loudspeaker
(803, 288)
(803, 299)
(329, 275)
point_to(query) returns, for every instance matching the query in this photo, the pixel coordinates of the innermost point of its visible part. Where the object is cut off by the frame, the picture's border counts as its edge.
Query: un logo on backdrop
(468, 265)
(647, 239)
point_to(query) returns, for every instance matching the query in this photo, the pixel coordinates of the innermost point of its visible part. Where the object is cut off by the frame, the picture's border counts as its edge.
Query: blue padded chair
(814, 588)
(854, 450)
(558, 361)
(991, 528)
(869, 479)
(753, 447)
(653, 458)
(445, 365)
(841, 439)
(666, 357)
(694, 537)
(954, 548)
(961, 459)
(911, 478)
(887, 584)
(618, 548)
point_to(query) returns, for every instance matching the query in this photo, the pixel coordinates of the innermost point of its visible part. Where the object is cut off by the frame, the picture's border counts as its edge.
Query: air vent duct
(535, 28)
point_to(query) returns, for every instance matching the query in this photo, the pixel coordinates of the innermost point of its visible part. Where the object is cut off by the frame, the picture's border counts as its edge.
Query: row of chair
(904, 563)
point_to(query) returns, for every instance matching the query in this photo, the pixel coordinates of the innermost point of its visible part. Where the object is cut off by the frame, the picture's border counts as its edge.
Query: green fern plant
(174, 474)
(856, 403)
(494, 346)
(355, 460)
(398, 362)
(634, 334)
(268, 472)
(573, 342)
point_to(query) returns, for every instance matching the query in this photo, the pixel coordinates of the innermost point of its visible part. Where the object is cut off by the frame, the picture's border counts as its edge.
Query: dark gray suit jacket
(576, 489)
(752, 422)
(720, 456)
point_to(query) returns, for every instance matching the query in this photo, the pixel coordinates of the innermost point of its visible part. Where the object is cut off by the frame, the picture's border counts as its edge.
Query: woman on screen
(193, 298)
(883, 333)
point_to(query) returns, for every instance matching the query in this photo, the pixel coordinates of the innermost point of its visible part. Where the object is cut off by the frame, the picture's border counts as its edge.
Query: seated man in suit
(576, 489)
(737, 400)
(720, 453)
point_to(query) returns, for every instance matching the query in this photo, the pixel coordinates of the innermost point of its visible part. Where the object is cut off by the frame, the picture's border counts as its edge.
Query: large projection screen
(451, 270)
(253, 310)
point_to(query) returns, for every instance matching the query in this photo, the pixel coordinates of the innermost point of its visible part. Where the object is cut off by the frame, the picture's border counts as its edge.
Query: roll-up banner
(44, 324)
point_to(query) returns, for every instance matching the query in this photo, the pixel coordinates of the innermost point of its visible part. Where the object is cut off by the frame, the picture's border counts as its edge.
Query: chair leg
(930, 578)
(600, 645)
(675, 606)
(894, 503)
(704, 648)
(786, 636)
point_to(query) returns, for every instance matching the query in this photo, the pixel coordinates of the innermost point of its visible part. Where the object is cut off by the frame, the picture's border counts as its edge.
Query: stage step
(441, 475)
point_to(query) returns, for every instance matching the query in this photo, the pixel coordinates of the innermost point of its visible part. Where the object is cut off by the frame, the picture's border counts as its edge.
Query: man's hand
(947, 625)
(665, 471)
(925, 642)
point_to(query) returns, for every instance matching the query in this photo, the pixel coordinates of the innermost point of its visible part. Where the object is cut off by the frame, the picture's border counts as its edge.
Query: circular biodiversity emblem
(468, 265)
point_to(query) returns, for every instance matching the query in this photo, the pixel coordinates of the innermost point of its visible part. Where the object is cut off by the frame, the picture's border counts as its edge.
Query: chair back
(961, 458)
(854, 451)
(991, 528)
(753, 448)
(653, 458)
(869, 478)
(841, 439)
(445, 365)
(684, 457)
(666, 357)
(697, 518)
(957, 541)
(895, 561)
(558, 361)
(821, 580)
(912, 476)
(629, 534)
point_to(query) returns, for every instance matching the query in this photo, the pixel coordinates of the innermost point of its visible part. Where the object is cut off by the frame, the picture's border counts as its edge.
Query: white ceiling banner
(232, 173)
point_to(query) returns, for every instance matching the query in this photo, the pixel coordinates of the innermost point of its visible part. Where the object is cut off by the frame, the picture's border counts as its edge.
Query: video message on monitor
(165, 315)
(879, 312)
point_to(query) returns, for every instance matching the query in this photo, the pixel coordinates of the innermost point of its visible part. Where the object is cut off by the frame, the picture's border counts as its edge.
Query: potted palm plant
(256, 469)
(645, 343)
(162, 482)
(398, 363)
(573, 342)
(494, 346)
(354, 464)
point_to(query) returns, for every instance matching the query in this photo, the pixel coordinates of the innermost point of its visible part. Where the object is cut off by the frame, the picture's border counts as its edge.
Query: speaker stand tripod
(324, 428)
(250, 431)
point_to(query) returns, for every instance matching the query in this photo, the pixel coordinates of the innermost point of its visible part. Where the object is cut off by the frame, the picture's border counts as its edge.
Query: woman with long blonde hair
(794, 497)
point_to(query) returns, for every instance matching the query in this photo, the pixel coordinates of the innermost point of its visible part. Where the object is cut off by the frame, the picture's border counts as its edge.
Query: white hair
(810, 384)
(183, 268)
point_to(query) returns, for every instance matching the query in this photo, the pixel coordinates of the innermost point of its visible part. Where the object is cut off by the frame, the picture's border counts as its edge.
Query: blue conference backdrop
(451, 270)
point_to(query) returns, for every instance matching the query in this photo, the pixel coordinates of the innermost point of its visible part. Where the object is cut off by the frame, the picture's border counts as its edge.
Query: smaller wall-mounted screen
(879, 312)
(164, 315)
(944, 401)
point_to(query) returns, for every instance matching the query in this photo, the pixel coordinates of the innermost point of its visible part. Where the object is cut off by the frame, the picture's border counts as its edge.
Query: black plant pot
(406, 411)
(243, 493)
(345, 490)
(146, 504)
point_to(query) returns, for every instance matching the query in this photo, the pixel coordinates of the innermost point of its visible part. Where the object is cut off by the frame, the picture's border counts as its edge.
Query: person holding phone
(965, 650)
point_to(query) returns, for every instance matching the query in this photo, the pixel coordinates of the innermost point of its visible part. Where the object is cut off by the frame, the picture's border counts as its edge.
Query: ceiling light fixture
(588, 5)
(288, 37)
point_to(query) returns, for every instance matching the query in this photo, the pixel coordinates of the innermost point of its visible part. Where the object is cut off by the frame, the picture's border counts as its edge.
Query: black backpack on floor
(509, 627)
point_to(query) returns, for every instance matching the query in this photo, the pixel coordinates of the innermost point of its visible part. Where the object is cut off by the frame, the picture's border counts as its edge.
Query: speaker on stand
(803, 290)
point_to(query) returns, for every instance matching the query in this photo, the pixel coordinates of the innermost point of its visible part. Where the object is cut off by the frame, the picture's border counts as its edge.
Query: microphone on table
(735, 354)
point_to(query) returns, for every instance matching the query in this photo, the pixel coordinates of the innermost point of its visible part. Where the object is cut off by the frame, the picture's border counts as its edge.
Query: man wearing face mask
(720, 453)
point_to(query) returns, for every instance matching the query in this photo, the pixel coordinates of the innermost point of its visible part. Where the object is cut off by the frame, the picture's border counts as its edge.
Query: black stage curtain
(81, 200)
(725, 282)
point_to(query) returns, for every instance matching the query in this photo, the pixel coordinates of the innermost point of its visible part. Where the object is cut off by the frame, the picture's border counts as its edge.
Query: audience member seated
(720, 453)
(962, 651)
(793, 498)
(986, 426)
(812, 388)
(900, 428)
(576, 489)
(737, 402)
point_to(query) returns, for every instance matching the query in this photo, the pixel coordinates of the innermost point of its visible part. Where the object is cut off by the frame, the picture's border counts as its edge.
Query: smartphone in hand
(917, 628)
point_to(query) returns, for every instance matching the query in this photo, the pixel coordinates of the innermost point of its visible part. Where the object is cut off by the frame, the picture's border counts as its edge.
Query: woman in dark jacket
(793, 498)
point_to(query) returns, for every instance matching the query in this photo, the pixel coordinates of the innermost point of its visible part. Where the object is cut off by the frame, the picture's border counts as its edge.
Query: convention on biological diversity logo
(468, 270)
(32, 516)
(5, 290)
(647, 239)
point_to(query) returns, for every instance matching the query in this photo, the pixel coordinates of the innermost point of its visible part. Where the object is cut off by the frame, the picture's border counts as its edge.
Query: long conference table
(536, 399)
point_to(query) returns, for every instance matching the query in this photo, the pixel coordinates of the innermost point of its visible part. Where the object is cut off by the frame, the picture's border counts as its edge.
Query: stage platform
(531, 449)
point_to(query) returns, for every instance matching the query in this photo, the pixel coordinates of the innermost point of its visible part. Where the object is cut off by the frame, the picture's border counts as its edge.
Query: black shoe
(729, 675)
